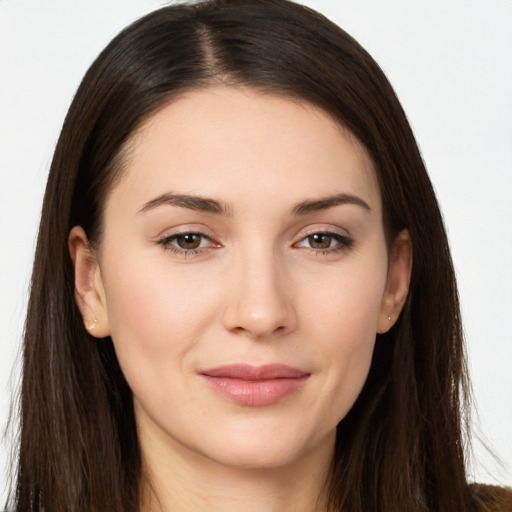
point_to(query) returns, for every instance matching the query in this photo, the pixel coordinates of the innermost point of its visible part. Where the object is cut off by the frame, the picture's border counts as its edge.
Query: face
(243, 275)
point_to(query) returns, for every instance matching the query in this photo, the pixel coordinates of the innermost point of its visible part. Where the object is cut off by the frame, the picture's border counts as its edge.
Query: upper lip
(255, 373)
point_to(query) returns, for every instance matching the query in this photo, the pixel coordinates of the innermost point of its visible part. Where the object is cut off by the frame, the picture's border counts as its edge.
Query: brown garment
(491, 498)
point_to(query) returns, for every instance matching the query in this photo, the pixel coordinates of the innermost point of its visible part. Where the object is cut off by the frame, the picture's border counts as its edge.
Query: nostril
(258, 307)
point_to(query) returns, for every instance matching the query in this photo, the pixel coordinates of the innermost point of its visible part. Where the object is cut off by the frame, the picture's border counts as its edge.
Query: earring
(389, 319)
(92, 324)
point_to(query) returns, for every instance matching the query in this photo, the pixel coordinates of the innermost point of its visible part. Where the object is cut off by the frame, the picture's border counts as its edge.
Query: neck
(179, 480)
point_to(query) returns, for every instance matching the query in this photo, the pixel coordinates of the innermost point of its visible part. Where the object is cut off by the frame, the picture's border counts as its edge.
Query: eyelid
(345, 241)
(166, 241)
(324, 230)
(173, 236)
(185, 229)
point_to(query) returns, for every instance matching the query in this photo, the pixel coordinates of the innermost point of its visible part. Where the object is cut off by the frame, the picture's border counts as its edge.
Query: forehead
(237, 144)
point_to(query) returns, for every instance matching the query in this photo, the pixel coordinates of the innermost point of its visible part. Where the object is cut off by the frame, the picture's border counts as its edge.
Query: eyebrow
(323, 203)
(203, 204)
(208, 205)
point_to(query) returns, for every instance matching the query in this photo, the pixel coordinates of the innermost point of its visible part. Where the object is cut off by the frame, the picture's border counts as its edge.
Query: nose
(260, 301)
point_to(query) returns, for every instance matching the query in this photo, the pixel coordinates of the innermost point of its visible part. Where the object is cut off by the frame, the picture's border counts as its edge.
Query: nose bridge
(259, 303)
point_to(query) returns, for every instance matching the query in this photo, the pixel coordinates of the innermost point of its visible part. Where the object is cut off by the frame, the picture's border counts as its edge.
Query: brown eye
(326, 242)
(189, 241)
(320, 241)
(186, 243)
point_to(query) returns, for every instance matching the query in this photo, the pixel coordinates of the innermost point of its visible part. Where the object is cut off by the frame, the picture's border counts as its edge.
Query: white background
(450, 63)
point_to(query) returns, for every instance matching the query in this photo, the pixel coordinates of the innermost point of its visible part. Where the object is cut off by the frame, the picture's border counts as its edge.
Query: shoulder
(491, 498)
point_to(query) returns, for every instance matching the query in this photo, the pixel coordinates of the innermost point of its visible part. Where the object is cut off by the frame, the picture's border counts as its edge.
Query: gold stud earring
(92, 324)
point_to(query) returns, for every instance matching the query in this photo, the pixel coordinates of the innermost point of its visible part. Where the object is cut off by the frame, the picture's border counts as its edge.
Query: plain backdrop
(450, 63)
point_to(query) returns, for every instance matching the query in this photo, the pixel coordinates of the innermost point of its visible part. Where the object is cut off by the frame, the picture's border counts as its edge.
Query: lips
(255, 385)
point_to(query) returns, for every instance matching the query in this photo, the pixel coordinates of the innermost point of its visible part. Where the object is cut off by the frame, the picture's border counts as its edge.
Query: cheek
(345, 303)
(155, 317)
(343, 317)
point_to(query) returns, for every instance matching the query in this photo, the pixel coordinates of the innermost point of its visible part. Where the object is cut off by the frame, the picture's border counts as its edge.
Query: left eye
(325, 241)
(189, 241)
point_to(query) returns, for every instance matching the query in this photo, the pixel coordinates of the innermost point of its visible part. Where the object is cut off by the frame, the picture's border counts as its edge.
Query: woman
(242, 296)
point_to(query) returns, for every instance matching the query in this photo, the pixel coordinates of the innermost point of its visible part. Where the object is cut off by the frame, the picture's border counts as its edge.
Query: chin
(265, 449)
(257, 457)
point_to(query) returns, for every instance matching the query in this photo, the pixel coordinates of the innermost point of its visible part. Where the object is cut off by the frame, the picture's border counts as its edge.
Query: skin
(258, 290)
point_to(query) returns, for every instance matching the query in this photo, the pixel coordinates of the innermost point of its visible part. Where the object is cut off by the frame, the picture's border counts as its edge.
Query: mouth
(255, 386)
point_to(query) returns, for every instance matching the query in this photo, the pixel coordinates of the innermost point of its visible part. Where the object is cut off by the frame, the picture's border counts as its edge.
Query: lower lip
(255, 393)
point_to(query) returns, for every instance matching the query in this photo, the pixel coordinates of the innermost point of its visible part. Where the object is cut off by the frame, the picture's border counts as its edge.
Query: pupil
(320, 241)
(189, 241)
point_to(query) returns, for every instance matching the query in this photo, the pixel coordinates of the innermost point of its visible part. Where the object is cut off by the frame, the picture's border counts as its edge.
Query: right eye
(186, 243)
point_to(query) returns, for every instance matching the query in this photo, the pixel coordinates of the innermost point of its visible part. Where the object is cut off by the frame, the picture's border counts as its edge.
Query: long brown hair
(401, 446)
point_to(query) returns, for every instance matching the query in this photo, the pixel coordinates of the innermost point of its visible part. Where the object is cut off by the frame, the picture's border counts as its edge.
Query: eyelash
(167, 243)
(344, 243)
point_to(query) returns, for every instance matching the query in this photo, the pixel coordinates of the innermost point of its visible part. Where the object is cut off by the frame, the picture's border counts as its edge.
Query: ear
(397, 284)
(89, 291)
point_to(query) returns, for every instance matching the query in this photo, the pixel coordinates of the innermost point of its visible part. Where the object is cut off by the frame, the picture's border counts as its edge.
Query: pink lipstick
(255, 385)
